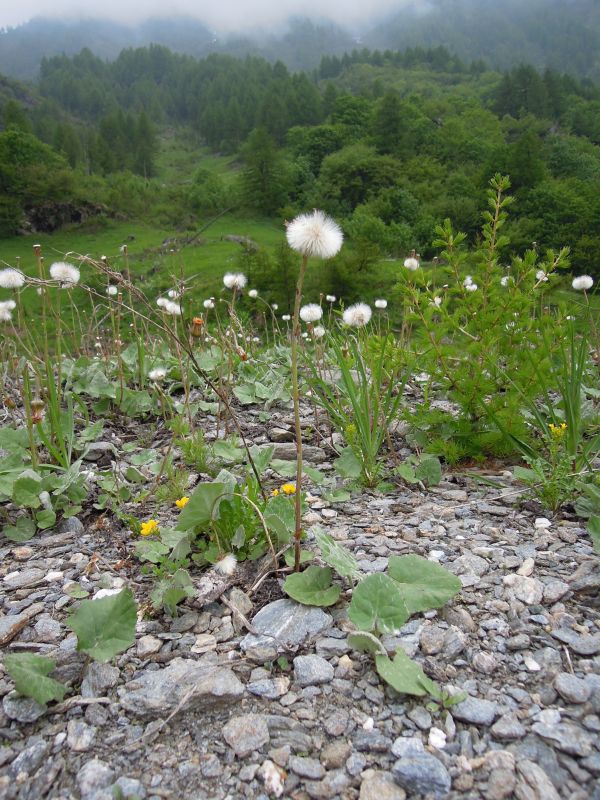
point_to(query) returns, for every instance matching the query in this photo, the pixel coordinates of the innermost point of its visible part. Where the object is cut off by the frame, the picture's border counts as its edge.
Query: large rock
(423, 774)
(475, 711)
(281, 626)
(246, 733)
(158, 693)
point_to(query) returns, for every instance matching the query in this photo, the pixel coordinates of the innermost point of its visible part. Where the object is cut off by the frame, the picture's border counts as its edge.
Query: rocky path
(198, 709)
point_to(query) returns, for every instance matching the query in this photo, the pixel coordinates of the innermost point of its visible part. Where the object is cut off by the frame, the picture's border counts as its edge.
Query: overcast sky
(227, 15)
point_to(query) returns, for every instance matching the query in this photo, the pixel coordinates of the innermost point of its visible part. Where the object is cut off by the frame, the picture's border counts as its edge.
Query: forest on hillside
(389, 142)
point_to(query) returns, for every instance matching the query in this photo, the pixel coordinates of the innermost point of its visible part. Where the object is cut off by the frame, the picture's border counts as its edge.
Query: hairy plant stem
(296, 398)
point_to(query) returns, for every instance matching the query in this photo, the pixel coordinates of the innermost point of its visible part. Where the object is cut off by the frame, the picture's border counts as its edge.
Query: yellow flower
(182, 503)
(558, 431)
(148, 528)
(275, 492)
(288, 488)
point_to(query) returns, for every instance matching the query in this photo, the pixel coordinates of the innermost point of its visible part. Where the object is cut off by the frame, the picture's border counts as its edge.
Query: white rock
(526, 567)
(273, 777)
(437, 738)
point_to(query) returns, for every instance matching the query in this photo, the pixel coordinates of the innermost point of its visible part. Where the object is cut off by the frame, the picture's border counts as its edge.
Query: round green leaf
(378, 605)
(312, 587)
(423, 584)
(404, 675)
(105, 627)
(29, 672)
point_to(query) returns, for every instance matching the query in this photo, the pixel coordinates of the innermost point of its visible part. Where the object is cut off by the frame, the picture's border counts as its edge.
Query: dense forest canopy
(390, 142)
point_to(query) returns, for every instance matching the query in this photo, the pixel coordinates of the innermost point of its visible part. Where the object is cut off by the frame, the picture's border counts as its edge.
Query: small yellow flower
(288, 488)
(148, 528)
(275, 492)
(558, 431)
(182, 502)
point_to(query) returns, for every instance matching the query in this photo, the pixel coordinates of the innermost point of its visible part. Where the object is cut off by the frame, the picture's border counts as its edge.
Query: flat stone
(335, 755)
(130, 787)
(331, 647)
(159, 692)
(475, 711)
(270, 688)
(306, 767)
(528, 590)
(25, 579)
(566, 737)
(148, 645)
(47, 630)
(507, 727)
(312, 670)
(333, 785)
(422, 774)
(485, 662)
(554, 590)
(336, 723)
(11, 625)
(380, 786)
(538, 784)
(22, 709)
(30, 758)
(582, 645)
(283, 625)
(407, 746)
(246, 733)
(80, 736)
(98, 679)
(571, 688)
(287, 452)
(93, 776)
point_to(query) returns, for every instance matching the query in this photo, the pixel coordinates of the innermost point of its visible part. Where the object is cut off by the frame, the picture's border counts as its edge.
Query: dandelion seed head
(582, 283)
(235, 281)
(436, 302)
(11, 278)
(471, 287)
(157, 374)
(311, 313)
(357, 315)
(411, 263)
(67, 274)
(208, 304)
(331, 298)
(161, 302)
(504, 280)
(285, 317)
(274, 306)
(172, 308)
(173, 294)
(380, 303)
(319, 332)
(227, 565)
(111, 291)
(315, 234)
(253, 294)
(541, 276)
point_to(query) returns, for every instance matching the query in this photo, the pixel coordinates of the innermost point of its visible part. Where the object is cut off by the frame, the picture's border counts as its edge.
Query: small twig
(78, 700)
(569, 662)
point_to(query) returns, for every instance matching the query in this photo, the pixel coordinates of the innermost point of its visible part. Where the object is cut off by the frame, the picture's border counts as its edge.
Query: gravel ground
(198, 709)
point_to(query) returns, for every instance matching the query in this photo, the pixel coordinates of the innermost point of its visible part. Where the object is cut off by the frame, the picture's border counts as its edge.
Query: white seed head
(173, 294)
(285, 317)
(436, 302)
(380, 303)
(227, 565)
(274, 306)
(541, 276)
(411, 263)
(11, 278)
(315, 234)
(357, 315)
(67, 274)
(235, 281)
(111, 291)
(331, 298)
(471, 287)
(253, 294)
(208, 304)
(161, 302)
(582, 283)
(172, 308)
(157, 374)
(319, 332)
(311, 312)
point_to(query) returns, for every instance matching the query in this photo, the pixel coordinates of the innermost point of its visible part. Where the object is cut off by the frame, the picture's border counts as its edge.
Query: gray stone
(30, 758)
(93, 776)
(537, 784)
(130, 787)
(424, 774)
(98, 678)
(246, 733)
(240, 601)
(335, 755)
(566, 737)
(407, 746)
(475, 711)
(312, 670)
(159, 692)
(332, 785)
(554, 590)
(11, 625)
(98, 450)
(371, 741)
(582, 645)
(356, 764)
(70, 525)
(25, 579)
(485, 662)
(331, 647)
(507, 727)
(380, 786)
(270, 688)
(287, 452)
(528, 590)
(22, 709)
(285, 731)
(47, 630)
(283, 625)
(148, 645)
(571, 688)
(306, 767)
(336, 723)
(212, 767)
(80, 736)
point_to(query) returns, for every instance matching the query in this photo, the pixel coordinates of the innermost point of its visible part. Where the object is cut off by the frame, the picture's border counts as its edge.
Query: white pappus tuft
(582, 283)
(66, 274)
(157, 374)
(315, 234)
(11, 278)
(235, 281)
(411, 263)
(253, 294)
(357, 315)
(227, 565)
(311, 313)
(380, 303)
